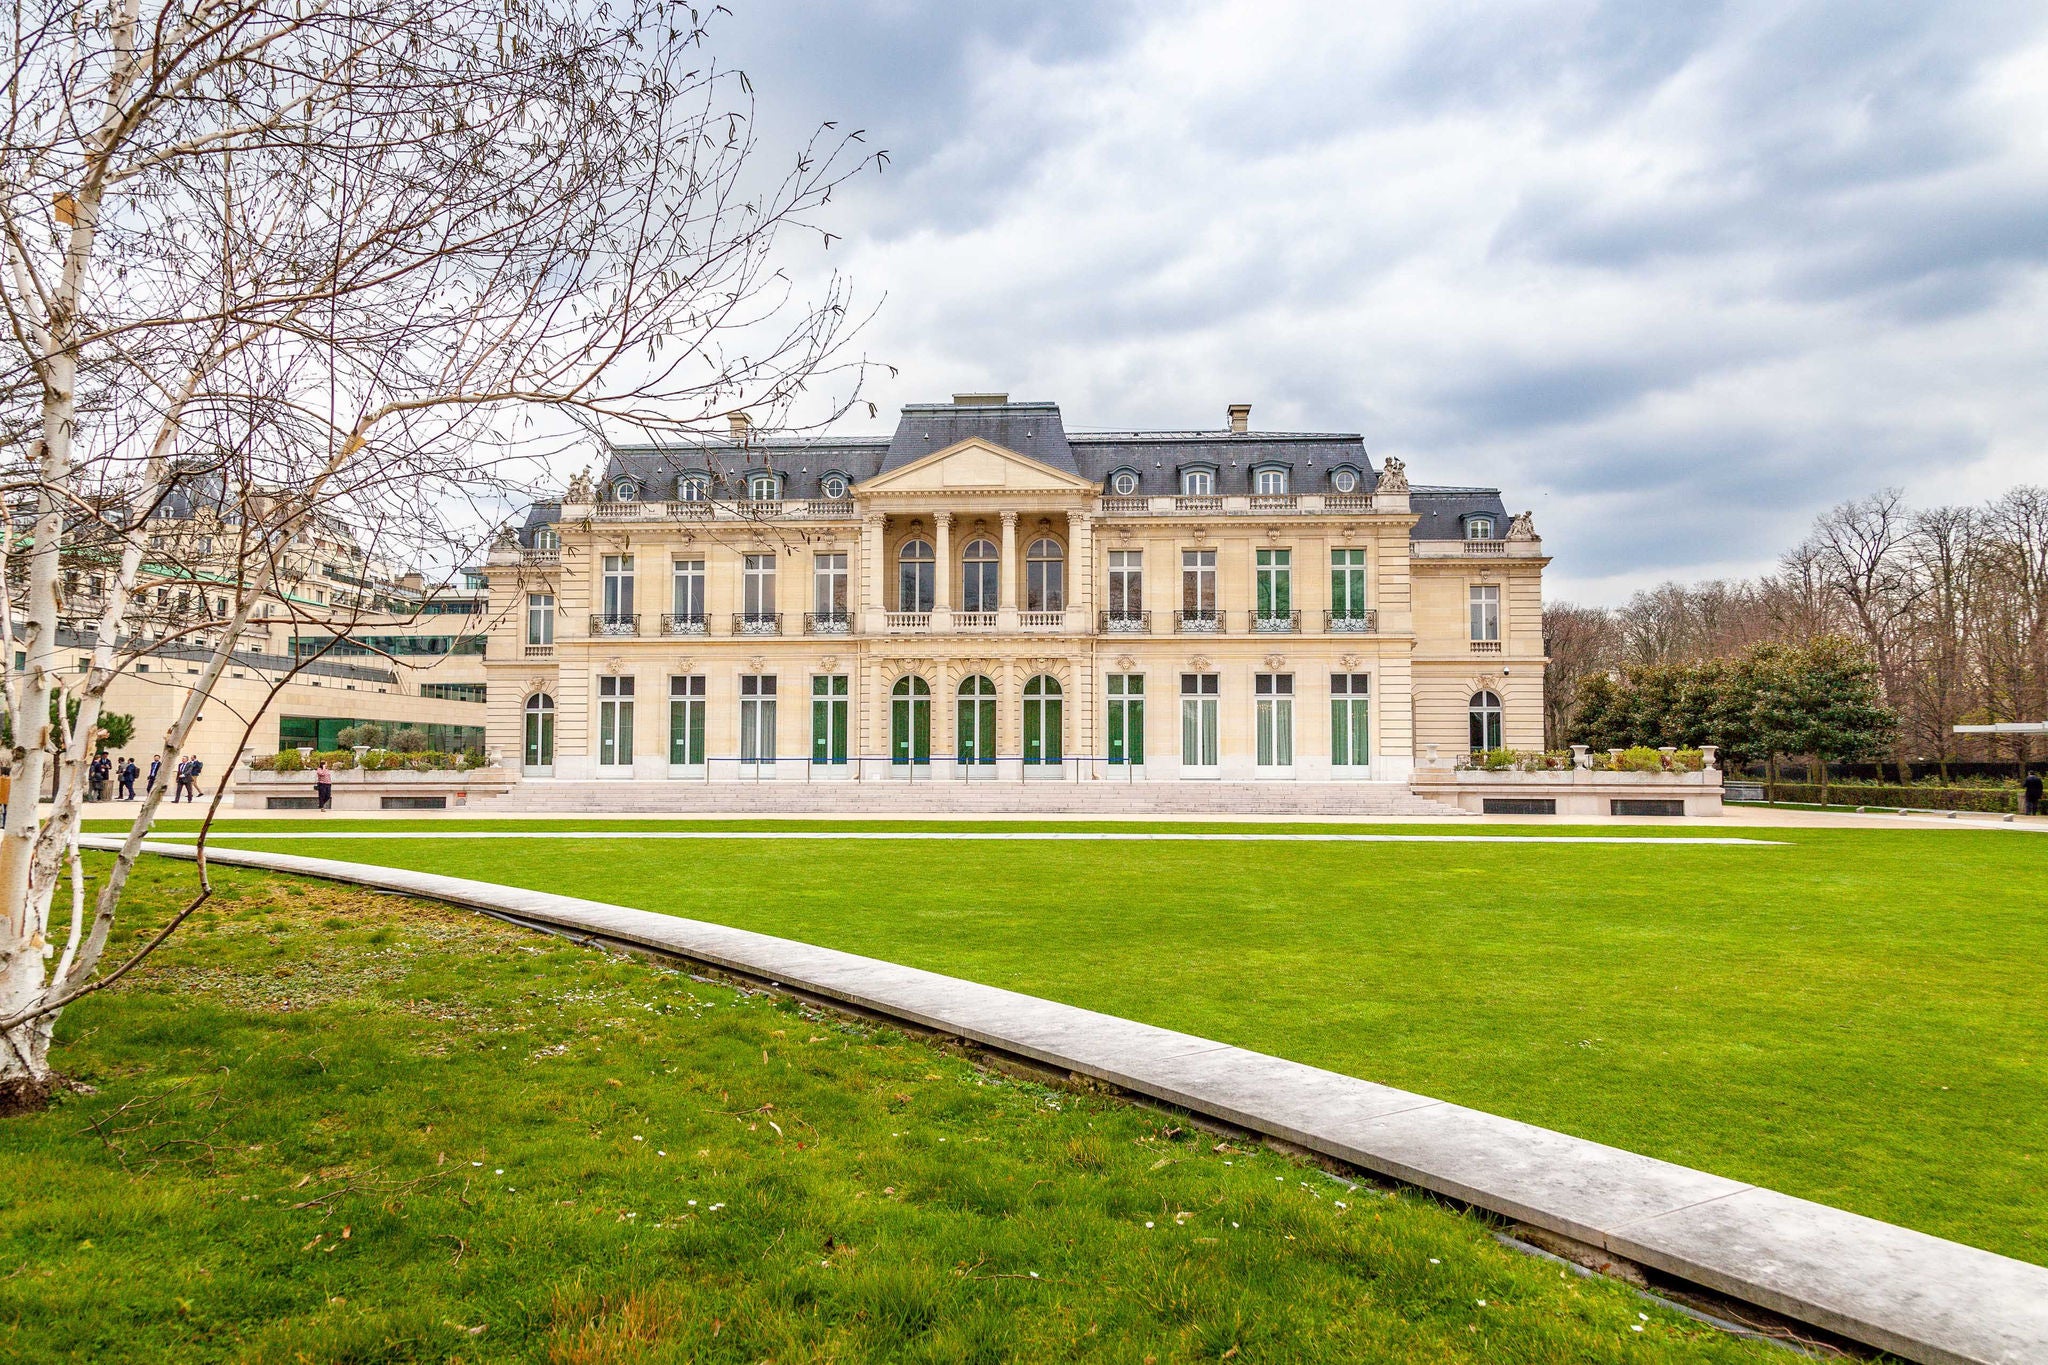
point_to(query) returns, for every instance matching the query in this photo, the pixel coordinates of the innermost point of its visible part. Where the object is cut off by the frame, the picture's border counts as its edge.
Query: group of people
(124, 771)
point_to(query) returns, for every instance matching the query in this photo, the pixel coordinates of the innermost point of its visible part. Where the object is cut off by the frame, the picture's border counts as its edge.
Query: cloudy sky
(1675, 276)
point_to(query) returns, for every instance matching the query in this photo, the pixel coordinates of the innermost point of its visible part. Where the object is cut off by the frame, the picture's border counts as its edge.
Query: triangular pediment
(975, 466)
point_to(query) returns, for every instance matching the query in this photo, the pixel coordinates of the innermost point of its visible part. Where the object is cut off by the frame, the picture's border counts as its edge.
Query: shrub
(474, 758)
(384, 761)
(286, 761)
(342, 759)
(1688, 761)
(410, 741)
(1988, 799)
(352, 735)
(1639, 760)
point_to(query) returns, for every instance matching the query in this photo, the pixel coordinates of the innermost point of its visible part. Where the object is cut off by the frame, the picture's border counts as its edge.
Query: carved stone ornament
(1201, 535)
(1199, 662)
(1523, 527)
(1275, 662)
(1273, 534)
(537, 683)
(1349, 533)
(1393, 476)
(611, 667)
(1125, 663)
(1349, 663)
(579, 487)
(829, 664)
(756, 663)
(682, 665)
(1123, 535)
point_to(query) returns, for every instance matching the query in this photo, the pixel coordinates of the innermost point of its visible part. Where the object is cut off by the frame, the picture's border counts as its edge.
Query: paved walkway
(1892, 1288)
(218, 837)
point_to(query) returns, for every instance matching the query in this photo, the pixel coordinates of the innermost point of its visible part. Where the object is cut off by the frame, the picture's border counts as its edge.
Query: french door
(1126, 705)
(686, 724)
(615, 726)
(829, 720)
(540, 735)
(757, 724)
(975, 732)
(1350, 697)
(1273, 695)
(1044, 726)
(910, 722)
(1201, 724)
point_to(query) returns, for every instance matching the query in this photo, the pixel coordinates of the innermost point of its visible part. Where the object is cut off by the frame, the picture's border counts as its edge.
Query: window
(976, 732)
(1198, 583)
(686, 720)
(693, 488)
(1344, 480)
(447, 691)
(764, 487)
(1350, 694)
(615, 722)
(757, 718)
(757, 587)
(1043, 726)
(1126, 583)
(1485, 611)
(1127, 719)
(540, 618)
(1484, 715)
(1045, 577)
(1200, 723)
(829, 719)
(833, 486)
(828, 585)
(1273, 695)
(540, 731)
(1273, 575)
(547, 538)
(618, 587)
(914, 580)
(978, 576)
(1347, 585)
(1479, 528)
(625, 490)
(1123, 483)
(910, 721)
(1270, 482)
(1197, 483)
(686, 588)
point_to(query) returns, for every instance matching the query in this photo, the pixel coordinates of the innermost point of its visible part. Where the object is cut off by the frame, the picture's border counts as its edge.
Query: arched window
(833, 486)
(1042, 720)
(978, 576)
(1197, 483)
(764, 487)
(693, 488)
(1485, 718)
(625, 490)
(914, 582)
(1045, 576)
(910, 721)
(540, 731)
(1479, 528)
(1124, 482)
(547, 538)
(977, 728)
(1269, 482)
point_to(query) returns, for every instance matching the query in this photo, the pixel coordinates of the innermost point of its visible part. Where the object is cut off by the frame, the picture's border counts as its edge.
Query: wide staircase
(967, 798)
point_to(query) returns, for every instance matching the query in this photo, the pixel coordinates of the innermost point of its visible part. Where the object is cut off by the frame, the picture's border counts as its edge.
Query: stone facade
(983, 596)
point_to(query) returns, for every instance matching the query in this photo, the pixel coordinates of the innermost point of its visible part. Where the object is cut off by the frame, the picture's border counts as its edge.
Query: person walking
(186, 789)
(155, 764)
(97, 774)
(6, 790)
(2032, 788)
(129, 772)
(323, 785)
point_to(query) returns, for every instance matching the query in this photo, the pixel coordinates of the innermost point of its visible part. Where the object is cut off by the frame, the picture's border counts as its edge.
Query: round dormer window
(1345, 481)
(1125, 483)
(833, 486)
(625, 490)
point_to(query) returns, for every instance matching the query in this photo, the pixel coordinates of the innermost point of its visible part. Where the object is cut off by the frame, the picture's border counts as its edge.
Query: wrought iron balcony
(757, 623)
(684, 623)
(613, 623)
(1202, 621)
(1275, 622)
(828, 623)
(1355, 621)
(1126, 623)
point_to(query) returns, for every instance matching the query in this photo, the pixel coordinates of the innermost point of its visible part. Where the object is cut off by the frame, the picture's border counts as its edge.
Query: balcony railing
(1042, 620)
(540, 651)
(1486, 646)
(621, 511)
(1486, 547)
(552, 555)
(1205, 621)
(828, 623)
(827, 508)
(1359, 621)
(1126, 623)
(1238, 505)
(1197, 503)
(613, 623)
(1272, 502)
(684, 623)
(757, 623)
(1126, 507)
(974, 620)
(907, 620)
(689, 509)
(1275, 622)
(1460, 549)
(1347, 502)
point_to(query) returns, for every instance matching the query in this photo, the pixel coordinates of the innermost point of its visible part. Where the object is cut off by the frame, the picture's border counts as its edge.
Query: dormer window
(764, 487)
(546, 538)
(1271, 483)
(693, 488)
(1123, 483)
(833, 486)
(1198, 483)
(625, 490)
(1344, 480)
(1479, 528)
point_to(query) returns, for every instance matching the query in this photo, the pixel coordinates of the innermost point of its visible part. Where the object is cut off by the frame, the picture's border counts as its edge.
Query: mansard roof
(1441, 512)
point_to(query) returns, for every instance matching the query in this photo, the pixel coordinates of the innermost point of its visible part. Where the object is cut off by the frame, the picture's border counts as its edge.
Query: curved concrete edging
(1901, 1291)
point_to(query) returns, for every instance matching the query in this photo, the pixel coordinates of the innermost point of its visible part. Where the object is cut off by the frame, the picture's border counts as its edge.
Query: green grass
(329, 1125)
(1858, 1016)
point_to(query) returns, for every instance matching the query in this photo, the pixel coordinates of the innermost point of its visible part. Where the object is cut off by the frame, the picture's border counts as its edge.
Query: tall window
(757, 718)
(976, 731)
(1350, 694)
(1198, 583)
(618, 586)
(829, 721)
(540, 618)
(1126, 718)
(1270, 482)
(540, 731)
(978, 571)
(1273, 572)
(757, 587)
(547, 538)
(1274, 697)
(686, 720)
(1045, 577)
(1197, 483)
(1200, 723)
(1043, 721)
(828, 585)
(914, 576)
(1479, 528)
(1126, 583)
(1485, 611)
(615, 722)
(910, 721)
(1347, 585)
(1484, 714)
(687, 588)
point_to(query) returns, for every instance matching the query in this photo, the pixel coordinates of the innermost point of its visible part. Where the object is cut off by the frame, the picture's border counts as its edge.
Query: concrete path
(1901, 1291)
(230, 837)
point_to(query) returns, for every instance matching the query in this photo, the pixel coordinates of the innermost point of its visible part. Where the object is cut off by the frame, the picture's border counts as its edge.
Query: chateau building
(986, 596)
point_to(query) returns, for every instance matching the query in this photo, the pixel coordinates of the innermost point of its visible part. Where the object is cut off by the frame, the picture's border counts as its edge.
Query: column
(942, 596)
(1006, 582)
(1081, 568)
(871, 621)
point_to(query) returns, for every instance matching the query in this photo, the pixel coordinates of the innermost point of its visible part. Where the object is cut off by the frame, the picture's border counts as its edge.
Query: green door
(910, 715)
(1042, 721)
(686, 721)
(977, 717)
(1127, 718)
(829, 719)
(1349, 698)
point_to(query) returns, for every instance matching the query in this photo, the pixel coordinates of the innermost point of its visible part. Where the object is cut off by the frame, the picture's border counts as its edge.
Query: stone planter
(1573, 792)
(358, 790)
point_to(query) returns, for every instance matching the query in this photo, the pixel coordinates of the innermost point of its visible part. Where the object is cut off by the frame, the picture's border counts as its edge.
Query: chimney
(980, 400)
(741, 425)
(1240, 418)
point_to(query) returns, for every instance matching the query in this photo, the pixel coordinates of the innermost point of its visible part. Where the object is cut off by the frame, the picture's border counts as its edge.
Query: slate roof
(1037, 431)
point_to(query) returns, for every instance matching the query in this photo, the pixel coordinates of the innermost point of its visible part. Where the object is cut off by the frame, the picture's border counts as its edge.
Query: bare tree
(365, 256)
(1580, 641)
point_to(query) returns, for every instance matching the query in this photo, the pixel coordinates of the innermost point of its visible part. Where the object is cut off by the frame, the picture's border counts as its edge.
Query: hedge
(1989, 799)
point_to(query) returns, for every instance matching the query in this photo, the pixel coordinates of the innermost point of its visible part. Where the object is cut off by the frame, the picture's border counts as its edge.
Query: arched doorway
(910, 722)
(1484, 715)
(540, 736)
(1043, 718)
(976, 733)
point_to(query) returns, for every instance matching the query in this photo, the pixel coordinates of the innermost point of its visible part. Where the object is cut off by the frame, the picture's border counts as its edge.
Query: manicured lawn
(1858, 1017)
(332, 1125)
